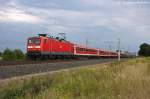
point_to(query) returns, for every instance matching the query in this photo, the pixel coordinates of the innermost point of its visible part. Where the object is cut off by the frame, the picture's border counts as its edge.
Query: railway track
(25, 62)
(10, 71)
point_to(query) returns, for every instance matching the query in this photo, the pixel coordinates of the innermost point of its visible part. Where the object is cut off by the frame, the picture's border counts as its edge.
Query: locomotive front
(34, 46)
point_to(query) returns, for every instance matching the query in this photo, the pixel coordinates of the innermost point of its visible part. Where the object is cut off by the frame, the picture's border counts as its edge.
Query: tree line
(9, 54)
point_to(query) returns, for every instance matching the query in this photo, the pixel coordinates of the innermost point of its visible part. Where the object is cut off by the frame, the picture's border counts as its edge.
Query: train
(49, 47)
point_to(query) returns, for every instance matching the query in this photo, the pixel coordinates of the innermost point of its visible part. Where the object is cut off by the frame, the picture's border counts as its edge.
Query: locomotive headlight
(37, 47)
(34, 47)
(30, 46)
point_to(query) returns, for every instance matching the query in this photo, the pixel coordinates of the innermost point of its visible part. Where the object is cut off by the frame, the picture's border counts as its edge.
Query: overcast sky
(102, 22)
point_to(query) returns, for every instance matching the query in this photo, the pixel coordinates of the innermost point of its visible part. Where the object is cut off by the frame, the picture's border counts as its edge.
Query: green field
(124, 80)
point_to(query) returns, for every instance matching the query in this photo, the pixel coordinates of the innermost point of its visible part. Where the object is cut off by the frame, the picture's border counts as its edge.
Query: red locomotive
(43, 46)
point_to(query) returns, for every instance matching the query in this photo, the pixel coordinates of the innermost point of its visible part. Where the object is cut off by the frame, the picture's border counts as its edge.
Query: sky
(100, 22)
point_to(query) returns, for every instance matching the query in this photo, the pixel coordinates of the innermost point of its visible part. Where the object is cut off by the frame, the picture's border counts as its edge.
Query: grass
(125, 80)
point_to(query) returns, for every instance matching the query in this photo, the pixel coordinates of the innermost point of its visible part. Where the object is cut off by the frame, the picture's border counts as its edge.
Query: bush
(8, 55)
(18, 54)
(144, 50)
(0, 54)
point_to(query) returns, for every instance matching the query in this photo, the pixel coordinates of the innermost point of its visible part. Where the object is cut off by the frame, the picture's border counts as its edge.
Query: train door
(45, 46)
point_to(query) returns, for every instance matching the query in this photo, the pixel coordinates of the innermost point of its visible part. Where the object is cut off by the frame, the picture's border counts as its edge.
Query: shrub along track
(40, 67)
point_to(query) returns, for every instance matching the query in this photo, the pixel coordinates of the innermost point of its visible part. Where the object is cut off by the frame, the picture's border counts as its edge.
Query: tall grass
(125, 80)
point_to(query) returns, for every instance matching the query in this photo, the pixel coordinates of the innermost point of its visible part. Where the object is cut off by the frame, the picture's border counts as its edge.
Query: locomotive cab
(34, 44)
(37, 46)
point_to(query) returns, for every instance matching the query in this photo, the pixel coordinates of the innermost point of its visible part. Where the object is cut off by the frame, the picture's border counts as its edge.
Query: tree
(0, 54)
(8, 55)
(19, 54)
(144, 50)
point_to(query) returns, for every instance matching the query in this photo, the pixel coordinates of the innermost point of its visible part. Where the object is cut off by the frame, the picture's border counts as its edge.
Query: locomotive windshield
(34, 41)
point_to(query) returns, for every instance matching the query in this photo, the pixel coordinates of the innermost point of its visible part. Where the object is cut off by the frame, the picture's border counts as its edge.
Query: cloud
(11, 12)
(17, 15)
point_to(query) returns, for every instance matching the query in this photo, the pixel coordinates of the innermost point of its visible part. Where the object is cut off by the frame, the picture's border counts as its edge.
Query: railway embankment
(23, 68)
(118, 80)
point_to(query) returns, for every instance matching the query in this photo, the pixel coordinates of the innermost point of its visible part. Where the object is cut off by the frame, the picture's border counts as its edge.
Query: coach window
(77, 49)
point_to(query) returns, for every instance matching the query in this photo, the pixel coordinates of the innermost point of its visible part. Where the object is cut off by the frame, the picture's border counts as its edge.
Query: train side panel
(55, 47)
(84, 51)
(60, 47)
